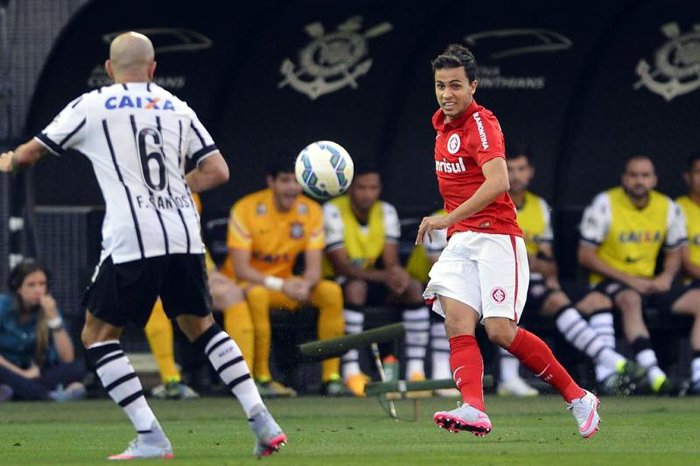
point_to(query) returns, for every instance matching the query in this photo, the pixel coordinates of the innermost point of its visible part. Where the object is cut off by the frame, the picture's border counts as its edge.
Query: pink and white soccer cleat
(585, 411)
(464, 418)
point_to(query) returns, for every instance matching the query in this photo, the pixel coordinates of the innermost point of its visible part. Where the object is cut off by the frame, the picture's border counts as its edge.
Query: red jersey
(462, 146)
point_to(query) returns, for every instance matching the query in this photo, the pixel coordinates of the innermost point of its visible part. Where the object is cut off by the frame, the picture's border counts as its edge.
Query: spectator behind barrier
(37, 357)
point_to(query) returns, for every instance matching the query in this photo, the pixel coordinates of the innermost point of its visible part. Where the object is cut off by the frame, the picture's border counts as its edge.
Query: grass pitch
(324, 431)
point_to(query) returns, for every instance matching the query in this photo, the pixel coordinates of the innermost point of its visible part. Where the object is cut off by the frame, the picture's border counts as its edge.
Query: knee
(194, 326)
(501, 333)
(629, 302)
(226, 294)
(355, 292)
(329, 296)
(258, 295)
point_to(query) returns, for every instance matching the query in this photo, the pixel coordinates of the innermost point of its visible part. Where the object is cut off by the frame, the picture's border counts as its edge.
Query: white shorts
(487, 272)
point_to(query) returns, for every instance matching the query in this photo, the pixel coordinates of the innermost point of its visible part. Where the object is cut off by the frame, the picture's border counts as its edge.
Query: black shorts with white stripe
(126, 293)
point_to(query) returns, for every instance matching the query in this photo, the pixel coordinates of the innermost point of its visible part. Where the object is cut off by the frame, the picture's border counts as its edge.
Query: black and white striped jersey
(137, 136)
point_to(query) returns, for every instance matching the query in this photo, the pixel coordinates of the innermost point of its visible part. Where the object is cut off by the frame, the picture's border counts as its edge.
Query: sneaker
(632, 374)
(73, 392)
(272, 389)
(269, 437)
(356, 383)
(694, 388)
(664, 385)
(516, 387)
(464, 418)
(335, 387)
(151, 445)
(616, 384)
(174, 391)
(6, 392)
(585, 411)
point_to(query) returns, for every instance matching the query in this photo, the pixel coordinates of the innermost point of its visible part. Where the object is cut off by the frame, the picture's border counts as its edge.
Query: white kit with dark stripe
(137, 137)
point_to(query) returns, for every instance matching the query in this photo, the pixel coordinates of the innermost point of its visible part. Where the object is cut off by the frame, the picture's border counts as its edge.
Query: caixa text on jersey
(164, 202)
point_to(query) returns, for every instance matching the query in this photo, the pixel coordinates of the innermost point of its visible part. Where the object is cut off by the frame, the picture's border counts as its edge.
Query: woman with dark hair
(37, 358)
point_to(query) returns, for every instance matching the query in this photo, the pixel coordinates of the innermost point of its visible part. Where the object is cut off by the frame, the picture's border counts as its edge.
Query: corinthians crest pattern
(677, 64)
(331, 61)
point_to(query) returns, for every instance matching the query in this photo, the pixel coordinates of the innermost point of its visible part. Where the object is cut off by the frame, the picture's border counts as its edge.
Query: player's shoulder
(658, 196)
(252, 200)
(307, 206)
(685, 202)
(388, 209)
(535, 199)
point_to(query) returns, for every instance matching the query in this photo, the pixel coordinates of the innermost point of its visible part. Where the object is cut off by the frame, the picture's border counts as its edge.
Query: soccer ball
(324, 169)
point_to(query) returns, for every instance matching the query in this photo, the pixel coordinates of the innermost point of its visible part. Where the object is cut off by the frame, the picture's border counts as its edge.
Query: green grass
(659, 431)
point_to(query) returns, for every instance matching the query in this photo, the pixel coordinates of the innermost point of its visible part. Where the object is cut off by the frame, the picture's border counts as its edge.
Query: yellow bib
(363, 245)
(531, 220)
(635, 235)
(418, 264)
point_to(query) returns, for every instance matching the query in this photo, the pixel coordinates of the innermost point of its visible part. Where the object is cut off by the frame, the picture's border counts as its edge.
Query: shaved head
(131, 58)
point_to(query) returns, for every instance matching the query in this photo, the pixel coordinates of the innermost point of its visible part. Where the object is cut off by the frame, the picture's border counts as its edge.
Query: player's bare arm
(397, 279)
(671, 266)
(544, 262)
(588, 258)
(210, 173)
(312, 266)
(23, 157)
(344, 268)
(495, 184)
(689, 268)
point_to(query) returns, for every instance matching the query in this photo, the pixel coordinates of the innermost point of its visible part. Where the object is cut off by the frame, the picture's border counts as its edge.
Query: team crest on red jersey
(454, 143)
(498, 294)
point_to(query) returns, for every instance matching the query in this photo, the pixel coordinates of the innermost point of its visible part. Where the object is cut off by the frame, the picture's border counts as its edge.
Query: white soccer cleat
(269, 437)
(464, 418)
(585, 411)
(151, 445)
(516, 387)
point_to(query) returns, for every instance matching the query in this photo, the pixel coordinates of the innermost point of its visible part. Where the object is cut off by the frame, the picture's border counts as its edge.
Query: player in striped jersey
(138, 136)
(690, 205)
(614, 372)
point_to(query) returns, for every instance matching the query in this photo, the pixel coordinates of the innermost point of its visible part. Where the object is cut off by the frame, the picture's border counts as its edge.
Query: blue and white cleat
(269, 437)
(153, 444)
(585, 411)
(464, 418)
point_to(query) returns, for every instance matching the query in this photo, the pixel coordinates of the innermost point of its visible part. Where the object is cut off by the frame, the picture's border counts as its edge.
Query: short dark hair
(518, 152)
(363, 167)
(454, 56)
(638, 157)
(691, 161)
(280, 162)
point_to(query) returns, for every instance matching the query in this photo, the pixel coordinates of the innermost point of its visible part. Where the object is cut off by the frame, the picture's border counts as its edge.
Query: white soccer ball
(324, 169)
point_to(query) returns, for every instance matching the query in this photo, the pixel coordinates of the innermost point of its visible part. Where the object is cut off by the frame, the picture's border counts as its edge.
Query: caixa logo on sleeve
(677, 64)
(331, 61)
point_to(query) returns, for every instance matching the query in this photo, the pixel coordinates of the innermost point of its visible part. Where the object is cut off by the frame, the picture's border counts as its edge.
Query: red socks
(534, 354)
(468, 370)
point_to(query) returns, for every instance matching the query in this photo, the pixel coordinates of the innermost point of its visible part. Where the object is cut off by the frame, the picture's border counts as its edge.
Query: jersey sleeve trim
(203, 153)
(333, 246)
(589, 242)
(490, 157)
(54, 148)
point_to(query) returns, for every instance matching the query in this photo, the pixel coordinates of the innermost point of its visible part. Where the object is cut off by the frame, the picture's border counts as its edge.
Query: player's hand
(296, 288)
(397, 279)
(641, 285)
(436, 222)
(662, 283)
(32, 373)
(6, 161)
(48, 304)
(552, 283)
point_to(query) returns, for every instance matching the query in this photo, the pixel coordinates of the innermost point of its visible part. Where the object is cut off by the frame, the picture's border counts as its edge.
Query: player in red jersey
(482, 275)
